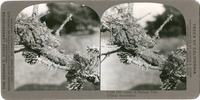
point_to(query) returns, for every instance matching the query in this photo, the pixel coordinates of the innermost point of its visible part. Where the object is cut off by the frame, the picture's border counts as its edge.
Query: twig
(142, 17)
(61, 27)
(160, 28)
(35, 11)
(104, 58)
(130, 10)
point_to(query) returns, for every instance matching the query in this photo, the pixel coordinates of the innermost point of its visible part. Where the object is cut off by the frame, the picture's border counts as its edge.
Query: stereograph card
(100, 49)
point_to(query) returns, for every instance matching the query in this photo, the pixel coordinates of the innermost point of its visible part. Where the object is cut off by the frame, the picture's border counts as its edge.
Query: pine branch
(151, 58)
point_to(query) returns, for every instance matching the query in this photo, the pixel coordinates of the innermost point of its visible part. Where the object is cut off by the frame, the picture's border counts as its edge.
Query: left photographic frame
(57, 48)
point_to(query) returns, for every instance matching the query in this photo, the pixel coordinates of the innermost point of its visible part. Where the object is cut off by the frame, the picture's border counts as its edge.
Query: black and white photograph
(57, 48)
(100, 49)
(143, 47)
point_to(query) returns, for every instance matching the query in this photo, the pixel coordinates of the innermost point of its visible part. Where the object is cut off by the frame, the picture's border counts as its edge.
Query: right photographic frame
(143, 47)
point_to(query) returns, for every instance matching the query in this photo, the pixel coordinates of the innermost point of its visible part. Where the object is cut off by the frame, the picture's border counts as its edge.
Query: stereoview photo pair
(131, 50)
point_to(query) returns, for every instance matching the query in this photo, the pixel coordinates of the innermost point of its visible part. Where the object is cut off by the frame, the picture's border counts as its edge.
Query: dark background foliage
(174, 28)
(83, 18)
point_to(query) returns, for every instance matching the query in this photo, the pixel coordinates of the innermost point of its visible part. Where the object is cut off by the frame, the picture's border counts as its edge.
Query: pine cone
(30, 57)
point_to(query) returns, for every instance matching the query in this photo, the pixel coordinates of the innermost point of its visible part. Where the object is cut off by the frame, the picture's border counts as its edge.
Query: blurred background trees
(174, 28)
(84, 18)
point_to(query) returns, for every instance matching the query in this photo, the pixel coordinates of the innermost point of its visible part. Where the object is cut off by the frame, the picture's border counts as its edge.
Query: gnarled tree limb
(38, 38)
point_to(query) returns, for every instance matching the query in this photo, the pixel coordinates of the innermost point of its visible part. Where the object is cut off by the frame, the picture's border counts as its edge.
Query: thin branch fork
(108, 53)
